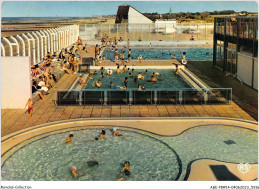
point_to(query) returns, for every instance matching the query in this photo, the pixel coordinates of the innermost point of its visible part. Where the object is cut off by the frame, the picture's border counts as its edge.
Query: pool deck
(46, 111)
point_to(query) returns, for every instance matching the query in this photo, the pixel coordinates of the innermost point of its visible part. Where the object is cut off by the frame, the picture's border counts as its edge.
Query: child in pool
(116, 133)
(69, 139)
(126, 171)
(74, 172)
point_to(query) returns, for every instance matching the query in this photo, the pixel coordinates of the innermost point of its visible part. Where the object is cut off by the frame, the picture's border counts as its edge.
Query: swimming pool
(153, 157)
(163, 53)
(168, 79)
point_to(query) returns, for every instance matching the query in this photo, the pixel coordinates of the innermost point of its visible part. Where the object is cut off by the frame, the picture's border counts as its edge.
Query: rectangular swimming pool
(162, 53)
(168, 79)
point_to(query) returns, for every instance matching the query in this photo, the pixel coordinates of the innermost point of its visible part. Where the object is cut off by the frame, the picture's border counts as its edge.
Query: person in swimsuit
(115, 132)
(82, 82)
(156, 74)
(126, 171)
(30, 107)
(140, 76)
(109, 72)
(125, 68)
(118, 70)
(69, 139)
(75, 173)
(129, 55)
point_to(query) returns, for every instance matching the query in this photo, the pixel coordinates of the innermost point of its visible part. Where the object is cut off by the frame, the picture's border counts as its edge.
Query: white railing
(36, 44)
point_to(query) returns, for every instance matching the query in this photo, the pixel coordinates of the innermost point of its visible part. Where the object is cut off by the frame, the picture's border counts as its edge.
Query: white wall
(134, 17)
(244, 68)
(255, 85)
(16, 85)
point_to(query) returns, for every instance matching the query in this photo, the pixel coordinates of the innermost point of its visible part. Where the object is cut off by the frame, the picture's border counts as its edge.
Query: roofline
(136, 10)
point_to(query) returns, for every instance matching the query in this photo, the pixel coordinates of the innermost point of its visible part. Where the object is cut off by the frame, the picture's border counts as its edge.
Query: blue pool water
(168, 79)
(163, 54)
(151, 157)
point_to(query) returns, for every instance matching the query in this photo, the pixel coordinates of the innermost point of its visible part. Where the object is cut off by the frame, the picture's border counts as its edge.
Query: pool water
(151, 157)
(51, 159)
(168, 79)
(163, 53)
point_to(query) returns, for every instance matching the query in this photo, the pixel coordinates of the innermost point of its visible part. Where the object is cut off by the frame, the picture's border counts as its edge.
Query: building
(167, 26)
(235, 48)
(129, 15)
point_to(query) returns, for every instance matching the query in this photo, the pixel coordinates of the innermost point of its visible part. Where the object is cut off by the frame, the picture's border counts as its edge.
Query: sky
(97, 8)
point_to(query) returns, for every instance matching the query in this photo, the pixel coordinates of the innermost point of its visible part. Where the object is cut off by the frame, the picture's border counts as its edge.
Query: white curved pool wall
(36, 44)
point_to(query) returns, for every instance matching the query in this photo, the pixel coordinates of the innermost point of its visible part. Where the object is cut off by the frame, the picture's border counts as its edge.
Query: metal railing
(184, 96)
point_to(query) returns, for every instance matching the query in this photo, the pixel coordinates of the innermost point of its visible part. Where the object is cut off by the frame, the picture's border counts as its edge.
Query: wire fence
(148, 32)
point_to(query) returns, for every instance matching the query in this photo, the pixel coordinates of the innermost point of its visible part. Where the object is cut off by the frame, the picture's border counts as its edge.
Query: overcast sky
(92, 8)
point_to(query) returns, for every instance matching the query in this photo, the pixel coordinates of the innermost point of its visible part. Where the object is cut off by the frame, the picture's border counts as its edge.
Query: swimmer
(97, 84)
(125, 68)
(118, 70)
(130, 75)
(102, 134)
(140, 76)
(109, 72)
(150, 58)
(140, 59)
(140, 88)
(102, 68)
(74, 172)
(95, 72)
(177, 69)
(82, 82)
(146, 70)
(153, 79)
(126, 171)
(115, 132)
(133, 70)
(156, 74)
(126, 80)
(102, 75)
(111, 84)
(69, 139)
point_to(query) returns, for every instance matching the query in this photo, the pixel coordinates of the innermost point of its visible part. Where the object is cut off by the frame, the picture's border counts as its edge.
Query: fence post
(205, 96)
(55, 98)
(180, 96)
(105, 97)
(155, 97)
(130, 97)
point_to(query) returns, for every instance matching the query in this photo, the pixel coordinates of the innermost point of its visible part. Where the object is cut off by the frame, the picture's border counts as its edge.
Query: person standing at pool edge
(129, 55)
